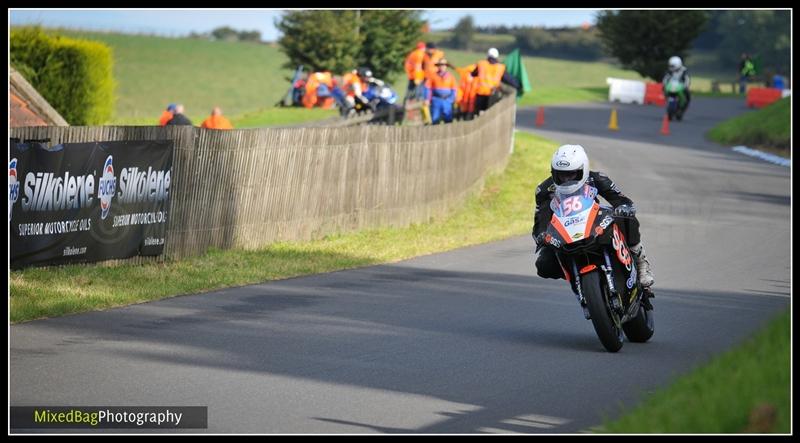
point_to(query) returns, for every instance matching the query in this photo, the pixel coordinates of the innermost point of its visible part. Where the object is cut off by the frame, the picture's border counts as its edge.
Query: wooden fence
(248, 188)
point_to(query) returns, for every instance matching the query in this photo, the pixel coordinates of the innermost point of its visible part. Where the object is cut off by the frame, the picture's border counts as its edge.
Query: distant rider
(678, 72)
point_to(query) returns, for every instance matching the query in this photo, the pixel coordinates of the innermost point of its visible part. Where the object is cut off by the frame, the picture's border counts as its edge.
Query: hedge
(74, 76)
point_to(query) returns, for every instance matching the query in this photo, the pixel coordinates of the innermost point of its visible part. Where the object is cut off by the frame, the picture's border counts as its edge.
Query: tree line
(226, 33)
(643, 39)
(342, 40)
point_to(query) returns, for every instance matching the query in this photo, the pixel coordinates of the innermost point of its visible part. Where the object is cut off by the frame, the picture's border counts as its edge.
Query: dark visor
(561, 177)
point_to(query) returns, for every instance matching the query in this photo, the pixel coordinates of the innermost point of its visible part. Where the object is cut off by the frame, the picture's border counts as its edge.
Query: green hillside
(246, 79)
(154, 71)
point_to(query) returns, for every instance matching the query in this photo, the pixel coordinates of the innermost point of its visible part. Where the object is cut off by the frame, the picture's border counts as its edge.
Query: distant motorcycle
(350, 107)
(676, 100)
(383, 102)
(599, 267)
(379, 100)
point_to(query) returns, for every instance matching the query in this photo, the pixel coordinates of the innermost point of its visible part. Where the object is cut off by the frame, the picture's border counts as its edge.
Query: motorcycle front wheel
(639, 329)
(670, 114)
(609, 334)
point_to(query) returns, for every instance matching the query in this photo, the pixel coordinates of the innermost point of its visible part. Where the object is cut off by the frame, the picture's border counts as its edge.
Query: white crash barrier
(625, 91)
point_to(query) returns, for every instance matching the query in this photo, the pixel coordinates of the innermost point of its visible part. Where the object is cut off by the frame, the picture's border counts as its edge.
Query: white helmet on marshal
(493, 53)
(569, 168)
(675, 63)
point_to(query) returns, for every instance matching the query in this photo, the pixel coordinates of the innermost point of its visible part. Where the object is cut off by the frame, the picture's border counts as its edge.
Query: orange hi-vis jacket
(489, 76)
(414, 67)
(216, 122)
(324, 78)
(349, 81)
(465, 96)
(314, 80)
(429, 63)
(319, 78)
(442, 86)
(166, 116)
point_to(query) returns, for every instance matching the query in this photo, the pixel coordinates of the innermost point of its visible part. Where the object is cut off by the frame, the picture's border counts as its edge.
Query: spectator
(216, 120)
(298, 90)
(432, 56)
(488, 75)
(465, 94)
(779, 81)
(746, 72)
(179, 119)
(354, 84)
(415, 71)
(319, 87)
(441, 94)
(167, 115)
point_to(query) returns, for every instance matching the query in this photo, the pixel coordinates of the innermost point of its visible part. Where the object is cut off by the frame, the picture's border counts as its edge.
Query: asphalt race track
(467, 341)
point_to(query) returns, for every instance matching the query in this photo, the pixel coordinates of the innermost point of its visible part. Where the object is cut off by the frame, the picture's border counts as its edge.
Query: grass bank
(150, 71)
(746, 390)
(281, 116)
(502, 209)
(768, 128)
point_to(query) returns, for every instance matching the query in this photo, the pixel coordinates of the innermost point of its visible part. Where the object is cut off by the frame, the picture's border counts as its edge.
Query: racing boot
(645, 275)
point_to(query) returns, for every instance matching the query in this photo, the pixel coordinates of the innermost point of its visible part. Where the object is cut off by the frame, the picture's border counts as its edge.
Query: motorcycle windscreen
(574, 213)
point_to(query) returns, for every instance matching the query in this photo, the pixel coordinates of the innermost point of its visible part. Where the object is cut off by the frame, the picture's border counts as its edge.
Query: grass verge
(502, 209)
(746, 390)
(548, 95)
(281, 116)
(768, 127)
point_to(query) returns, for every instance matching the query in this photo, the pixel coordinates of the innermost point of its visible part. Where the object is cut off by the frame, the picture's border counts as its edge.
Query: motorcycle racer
(569, 172)
(678, 73)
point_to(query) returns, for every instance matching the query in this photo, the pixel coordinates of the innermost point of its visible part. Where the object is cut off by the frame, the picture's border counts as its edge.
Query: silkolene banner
(82, 202)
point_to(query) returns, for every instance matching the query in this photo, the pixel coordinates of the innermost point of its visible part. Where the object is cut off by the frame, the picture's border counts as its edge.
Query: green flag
(516, 69)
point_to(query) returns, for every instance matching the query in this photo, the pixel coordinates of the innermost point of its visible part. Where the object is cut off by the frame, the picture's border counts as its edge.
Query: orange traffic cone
(540, 116)
(612, 122)
(665, 125)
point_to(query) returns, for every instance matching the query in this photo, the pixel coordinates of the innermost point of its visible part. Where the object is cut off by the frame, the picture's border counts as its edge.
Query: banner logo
(13, 186)
(107, 188)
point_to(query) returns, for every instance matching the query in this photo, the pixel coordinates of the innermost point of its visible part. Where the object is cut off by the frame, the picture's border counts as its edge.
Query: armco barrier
(654, 94)
(760, 97)
(247, 188)
(625, 91)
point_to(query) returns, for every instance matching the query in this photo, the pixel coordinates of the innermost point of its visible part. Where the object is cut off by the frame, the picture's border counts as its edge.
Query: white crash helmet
(493, 53)
(569, 168)
(675, 63)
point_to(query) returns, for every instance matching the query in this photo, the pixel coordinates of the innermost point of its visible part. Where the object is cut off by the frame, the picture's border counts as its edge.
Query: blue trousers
(441, 108)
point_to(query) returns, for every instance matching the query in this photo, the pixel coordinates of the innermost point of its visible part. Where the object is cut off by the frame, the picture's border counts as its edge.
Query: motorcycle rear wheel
(608, 333)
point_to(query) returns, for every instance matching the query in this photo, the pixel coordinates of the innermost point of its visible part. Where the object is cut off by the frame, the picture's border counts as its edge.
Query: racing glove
(625, 211)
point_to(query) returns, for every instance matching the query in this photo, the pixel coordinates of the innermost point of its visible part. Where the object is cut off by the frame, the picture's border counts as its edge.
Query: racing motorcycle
(379, 101)
(676, 100)
(600, 268)
(383, 101)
